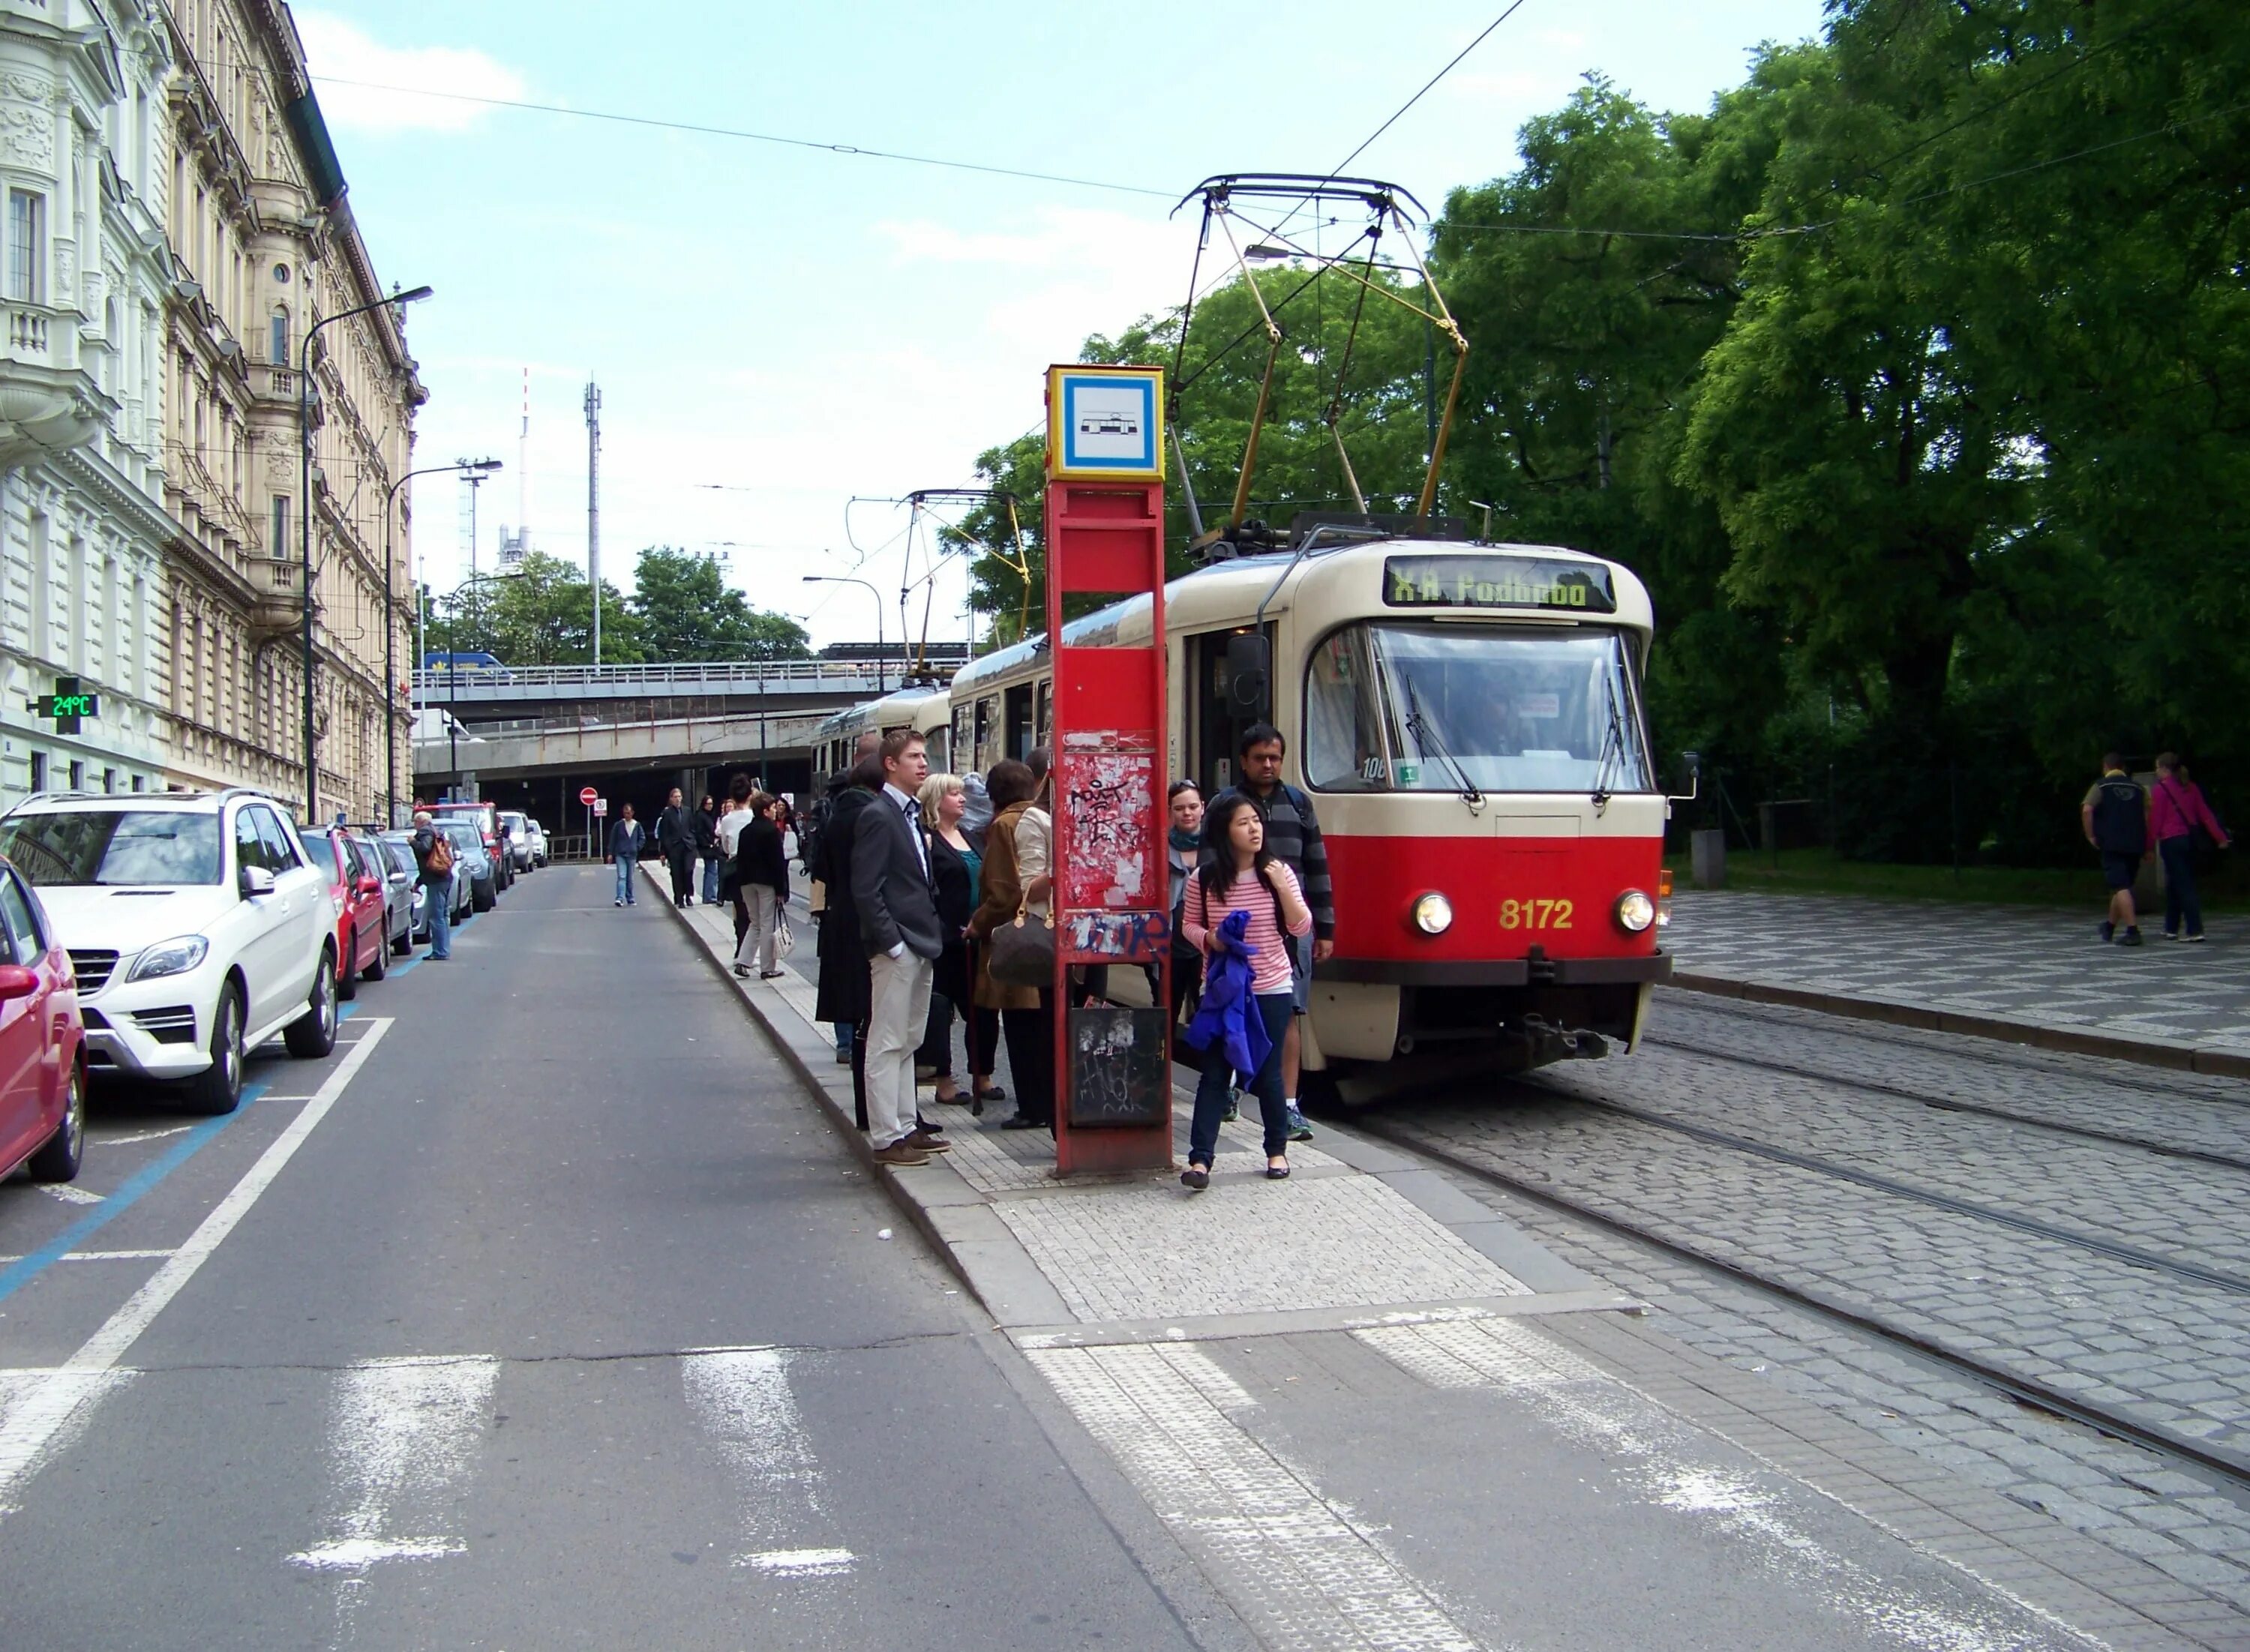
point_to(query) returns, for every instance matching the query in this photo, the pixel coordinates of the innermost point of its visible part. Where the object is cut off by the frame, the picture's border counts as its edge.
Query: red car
(362, 939)
(41, 1039)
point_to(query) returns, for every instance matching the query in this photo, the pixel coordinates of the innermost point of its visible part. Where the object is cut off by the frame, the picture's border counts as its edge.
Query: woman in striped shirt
(1240, 874)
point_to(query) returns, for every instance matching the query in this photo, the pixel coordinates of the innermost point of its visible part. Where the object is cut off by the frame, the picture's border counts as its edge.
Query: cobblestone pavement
(2167, 1351)
(2039, 965)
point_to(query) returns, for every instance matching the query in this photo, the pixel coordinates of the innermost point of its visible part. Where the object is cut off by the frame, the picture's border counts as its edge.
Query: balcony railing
(28, 332)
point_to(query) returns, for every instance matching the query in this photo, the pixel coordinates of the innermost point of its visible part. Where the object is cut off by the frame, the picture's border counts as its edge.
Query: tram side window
(1344, 745)
(1043, 726)
(985, 755)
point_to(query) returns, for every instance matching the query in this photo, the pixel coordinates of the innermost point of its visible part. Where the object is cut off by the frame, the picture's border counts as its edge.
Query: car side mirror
(369, 886)
(17, 980)
(1249, 661)
(255, 881)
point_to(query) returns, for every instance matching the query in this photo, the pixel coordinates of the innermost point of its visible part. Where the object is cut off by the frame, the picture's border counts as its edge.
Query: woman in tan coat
(1026, 1015)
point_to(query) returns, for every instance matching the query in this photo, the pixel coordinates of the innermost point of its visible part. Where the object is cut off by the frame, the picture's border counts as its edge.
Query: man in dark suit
(897, 907)
(675, 839)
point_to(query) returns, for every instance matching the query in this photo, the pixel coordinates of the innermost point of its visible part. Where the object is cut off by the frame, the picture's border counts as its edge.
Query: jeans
(625, 879)
(440, 902)
(711, 865)
(1217, 1078)
(2180, 899)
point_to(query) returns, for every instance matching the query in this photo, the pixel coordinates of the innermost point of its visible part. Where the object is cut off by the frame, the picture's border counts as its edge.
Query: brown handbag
(1022, 954)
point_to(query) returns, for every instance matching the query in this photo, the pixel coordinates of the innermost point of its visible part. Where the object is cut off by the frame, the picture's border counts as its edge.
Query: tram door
(1016, 715)
(1213, 725)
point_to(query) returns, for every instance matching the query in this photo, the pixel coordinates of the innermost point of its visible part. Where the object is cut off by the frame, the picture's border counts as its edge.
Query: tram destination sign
(1497, 581)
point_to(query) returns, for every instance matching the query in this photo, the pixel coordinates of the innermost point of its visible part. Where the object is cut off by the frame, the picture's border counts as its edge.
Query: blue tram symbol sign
(66, 705)
(1106, 423)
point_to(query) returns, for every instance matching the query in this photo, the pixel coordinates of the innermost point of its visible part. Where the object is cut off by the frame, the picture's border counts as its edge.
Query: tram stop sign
(588, 795)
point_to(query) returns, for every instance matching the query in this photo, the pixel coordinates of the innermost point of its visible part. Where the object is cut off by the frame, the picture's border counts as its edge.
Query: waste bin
(1707, 855)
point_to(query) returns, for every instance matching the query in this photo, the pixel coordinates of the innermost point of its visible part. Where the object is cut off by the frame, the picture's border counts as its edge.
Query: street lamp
(841, 579)
(390, 626)
(305, 517)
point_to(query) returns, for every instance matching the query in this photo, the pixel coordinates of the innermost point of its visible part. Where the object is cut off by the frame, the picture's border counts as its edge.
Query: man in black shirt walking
(2115, 819)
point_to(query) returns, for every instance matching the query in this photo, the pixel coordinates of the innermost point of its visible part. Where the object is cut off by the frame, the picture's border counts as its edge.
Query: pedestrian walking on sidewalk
(1026, 1018)
(706, 846)
(761, 884)
(1293, 835)
(675, 841)
(733, 814)
(844, 986)
(2115, 818)
(897, 906)
(955, 863)
(1243, 898)
(2178, 810)
(626, 841)
(433, 859)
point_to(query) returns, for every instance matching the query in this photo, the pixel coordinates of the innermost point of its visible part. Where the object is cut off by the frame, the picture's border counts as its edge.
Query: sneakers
(843, 1057)
(2171, 934)
(2108, 930)
(2131, 938)
(900, 1152)
(2196, 938)
(619, 901)
(1298, 1129)
(1233, 1107)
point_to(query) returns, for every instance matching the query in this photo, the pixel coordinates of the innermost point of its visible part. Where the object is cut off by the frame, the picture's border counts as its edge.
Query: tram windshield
(1455, 708)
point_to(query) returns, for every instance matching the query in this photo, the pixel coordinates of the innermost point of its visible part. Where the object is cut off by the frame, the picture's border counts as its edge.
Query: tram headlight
(1635, 912)
(1432, 914)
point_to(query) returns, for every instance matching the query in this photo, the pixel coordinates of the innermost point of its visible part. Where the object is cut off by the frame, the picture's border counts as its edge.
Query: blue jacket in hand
(1228, 1016)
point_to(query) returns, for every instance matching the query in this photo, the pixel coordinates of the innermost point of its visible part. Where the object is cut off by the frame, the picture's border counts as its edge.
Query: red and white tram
(1468, 721)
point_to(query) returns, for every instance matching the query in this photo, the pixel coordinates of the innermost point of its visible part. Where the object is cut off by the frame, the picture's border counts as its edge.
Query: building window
(108, 780)
(278, 345)
(140, 782)
(279, 544)
(78, 774)
(27, 242)
(38, 771)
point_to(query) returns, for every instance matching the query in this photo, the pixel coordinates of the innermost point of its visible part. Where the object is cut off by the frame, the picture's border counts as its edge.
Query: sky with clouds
(777, 327)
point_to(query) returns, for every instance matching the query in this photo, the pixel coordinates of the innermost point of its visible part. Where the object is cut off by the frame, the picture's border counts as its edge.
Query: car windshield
(463, 838)
(1437, 708)
(117, 846)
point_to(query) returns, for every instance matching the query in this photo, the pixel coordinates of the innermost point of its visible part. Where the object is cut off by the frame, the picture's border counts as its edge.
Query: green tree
(540, 612)
(686, 611)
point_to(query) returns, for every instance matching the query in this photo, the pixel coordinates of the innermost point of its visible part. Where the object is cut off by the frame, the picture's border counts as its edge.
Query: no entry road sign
(588, 795)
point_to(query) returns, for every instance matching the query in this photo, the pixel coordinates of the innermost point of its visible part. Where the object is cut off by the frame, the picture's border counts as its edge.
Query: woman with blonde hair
(955, 864)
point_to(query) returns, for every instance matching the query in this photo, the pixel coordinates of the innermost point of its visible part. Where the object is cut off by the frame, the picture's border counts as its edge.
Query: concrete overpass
(540, 765)
(480, 695)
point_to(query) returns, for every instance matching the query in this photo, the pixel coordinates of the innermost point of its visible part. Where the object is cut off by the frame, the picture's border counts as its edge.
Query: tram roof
(1228, 592)
(897, 708)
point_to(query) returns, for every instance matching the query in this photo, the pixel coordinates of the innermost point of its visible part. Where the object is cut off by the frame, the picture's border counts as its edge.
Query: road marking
(1668, 1462)
(742, 1398)
(49, 1417)
(69, 1194)
(402, 1434)
(98, 1138)
(1301, 1570)
(118, 1255)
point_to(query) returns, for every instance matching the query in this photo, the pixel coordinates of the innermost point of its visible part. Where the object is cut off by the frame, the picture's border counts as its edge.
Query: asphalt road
(563, 1325)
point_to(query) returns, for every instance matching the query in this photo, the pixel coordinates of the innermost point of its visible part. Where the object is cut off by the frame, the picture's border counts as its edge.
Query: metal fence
(812, 672)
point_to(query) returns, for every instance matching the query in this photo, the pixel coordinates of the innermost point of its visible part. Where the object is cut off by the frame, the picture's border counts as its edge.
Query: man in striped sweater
(1293, 832)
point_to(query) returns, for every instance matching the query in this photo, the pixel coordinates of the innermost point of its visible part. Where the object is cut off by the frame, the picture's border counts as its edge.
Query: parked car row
(162, 937)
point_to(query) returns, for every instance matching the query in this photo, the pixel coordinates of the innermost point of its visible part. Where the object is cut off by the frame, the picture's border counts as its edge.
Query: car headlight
(1432, 914)
(171, 958)
(1635, 912)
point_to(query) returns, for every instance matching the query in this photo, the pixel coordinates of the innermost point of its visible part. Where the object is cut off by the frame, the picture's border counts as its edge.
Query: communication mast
(513, 548)
(594, 506)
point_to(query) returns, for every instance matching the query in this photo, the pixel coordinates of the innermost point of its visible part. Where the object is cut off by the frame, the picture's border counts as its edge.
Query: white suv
(197, 926)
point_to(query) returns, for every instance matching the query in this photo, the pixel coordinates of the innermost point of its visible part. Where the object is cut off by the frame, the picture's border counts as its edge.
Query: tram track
(1860, 1317)
(1946, 1103)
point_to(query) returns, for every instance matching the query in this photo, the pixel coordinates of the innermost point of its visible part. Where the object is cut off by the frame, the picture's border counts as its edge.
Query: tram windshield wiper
(1426, 738)
(1613, 745)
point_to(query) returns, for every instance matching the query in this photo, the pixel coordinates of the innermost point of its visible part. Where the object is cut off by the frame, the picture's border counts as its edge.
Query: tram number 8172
(1534, 915)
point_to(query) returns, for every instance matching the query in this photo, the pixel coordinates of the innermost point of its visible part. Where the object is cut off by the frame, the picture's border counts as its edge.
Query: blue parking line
(133, 1187)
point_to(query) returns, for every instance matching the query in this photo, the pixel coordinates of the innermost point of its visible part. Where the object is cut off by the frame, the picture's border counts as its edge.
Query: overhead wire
(745, 136)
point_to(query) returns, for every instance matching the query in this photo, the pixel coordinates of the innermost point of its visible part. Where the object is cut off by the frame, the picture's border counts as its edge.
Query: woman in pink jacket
(2176, 809)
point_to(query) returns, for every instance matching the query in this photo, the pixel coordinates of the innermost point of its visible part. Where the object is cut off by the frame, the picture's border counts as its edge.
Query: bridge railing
(810, 672)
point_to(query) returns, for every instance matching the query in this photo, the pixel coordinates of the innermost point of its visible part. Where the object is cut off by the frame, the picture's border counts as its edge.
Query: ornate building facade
(264, 247)
(83, 529)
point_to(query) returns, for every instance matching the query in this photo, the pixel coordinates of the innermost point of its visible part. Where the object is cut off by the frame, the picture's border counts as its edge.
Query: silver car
(456, 892)
(515, 832)
(398, 888)
(538, 843)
